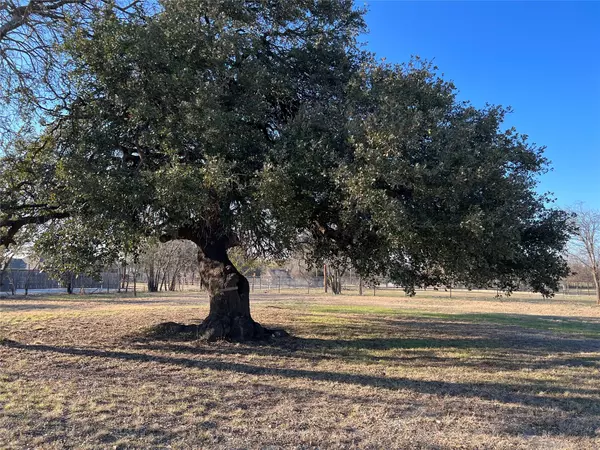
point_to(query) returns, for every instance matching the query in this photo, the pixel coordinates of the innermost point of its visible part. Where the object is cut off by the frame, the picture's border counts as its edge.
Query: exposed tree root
(214, 328)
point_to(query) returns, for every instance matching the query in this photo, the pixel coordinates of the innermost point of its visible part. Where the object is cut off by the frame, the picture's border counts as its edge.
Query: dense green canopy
(264, 122)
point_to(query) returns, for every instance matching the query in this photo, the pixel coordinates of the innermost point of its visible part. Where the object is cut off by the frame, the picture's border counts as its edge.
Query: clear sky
(541, 58)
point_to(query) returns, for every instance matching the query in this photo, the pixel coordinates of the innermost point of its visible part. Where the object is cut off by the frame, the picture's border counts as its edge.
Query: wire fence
(24, 281)
(33, 281)
(353, 285)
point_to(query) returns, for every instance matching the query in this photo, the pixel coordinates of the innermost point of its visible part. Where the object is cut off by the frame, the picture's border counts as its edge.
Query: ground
(472, 371)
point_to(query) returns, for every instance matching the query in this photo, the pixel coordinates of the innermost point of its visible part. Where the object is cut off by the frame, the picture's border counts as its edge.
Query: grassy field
(365, 372)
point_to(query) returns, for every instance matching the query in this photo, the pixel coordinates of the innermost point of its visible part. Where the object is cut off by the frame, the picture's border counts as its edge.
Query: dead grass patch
(364, 372)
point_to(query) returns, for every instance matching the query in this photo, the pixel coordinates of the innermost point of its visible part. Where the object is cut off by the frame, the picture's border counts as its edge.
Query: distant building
(17, 264)
(276, 274)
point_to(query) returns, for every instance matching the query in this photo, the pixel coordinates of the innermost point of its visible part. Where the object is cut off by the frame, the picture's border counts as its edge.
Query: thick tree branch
(14, 225)
(19, 15)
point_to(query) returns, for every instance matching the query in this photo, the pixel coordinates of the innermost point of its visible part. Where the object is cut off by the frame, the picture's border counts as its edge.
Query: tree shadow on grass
(315, 350)
(415, 343)
(498, 392)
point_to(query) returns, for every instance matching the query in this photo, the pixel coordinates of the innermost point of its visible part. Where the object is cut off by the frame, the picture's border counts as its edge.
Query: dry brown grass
(366, 372)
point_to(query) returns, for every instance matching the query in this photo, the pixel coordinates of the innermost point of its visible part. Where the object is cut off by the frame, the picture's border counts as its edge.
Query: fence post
(279, 284)
(325, 277)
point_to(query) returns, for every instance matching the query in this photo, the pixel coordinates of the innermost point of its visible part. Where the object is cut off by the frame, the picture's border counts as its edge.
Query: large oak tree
(262, 124)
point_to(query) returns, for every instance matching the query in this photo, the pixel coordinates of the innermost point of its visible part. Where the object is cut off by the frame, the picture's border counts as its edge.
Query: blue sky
(540, 58)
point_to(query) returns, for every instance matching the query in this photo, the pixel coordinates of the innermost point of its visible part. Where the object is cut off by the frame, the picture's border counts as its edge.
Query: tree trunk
(229, 293)
(3, 271)
(123, 272)
(28, 279)
(597, 285)
(162, 281)
(335, 281)
(152, 281)
(173, 284)
(11, 280)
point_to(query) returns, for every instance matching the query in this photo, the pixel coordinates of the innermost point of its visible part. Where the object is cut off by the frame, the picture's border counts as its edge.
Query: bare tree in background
(298, 267)
(33, 69)
(586, 246)
(166, 265)
(579, 272)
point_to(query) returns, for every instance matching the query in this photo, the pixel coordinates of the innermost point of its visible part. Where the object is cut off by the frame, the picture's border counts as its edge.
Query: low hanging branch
(13, 226)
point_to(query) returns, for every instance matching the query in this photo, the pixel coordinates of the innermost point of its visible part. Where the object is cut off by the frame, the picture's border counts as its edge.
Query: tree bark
(229, 295)
(11, 280)
(597, 285)
(152, 278)
(334, 278)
